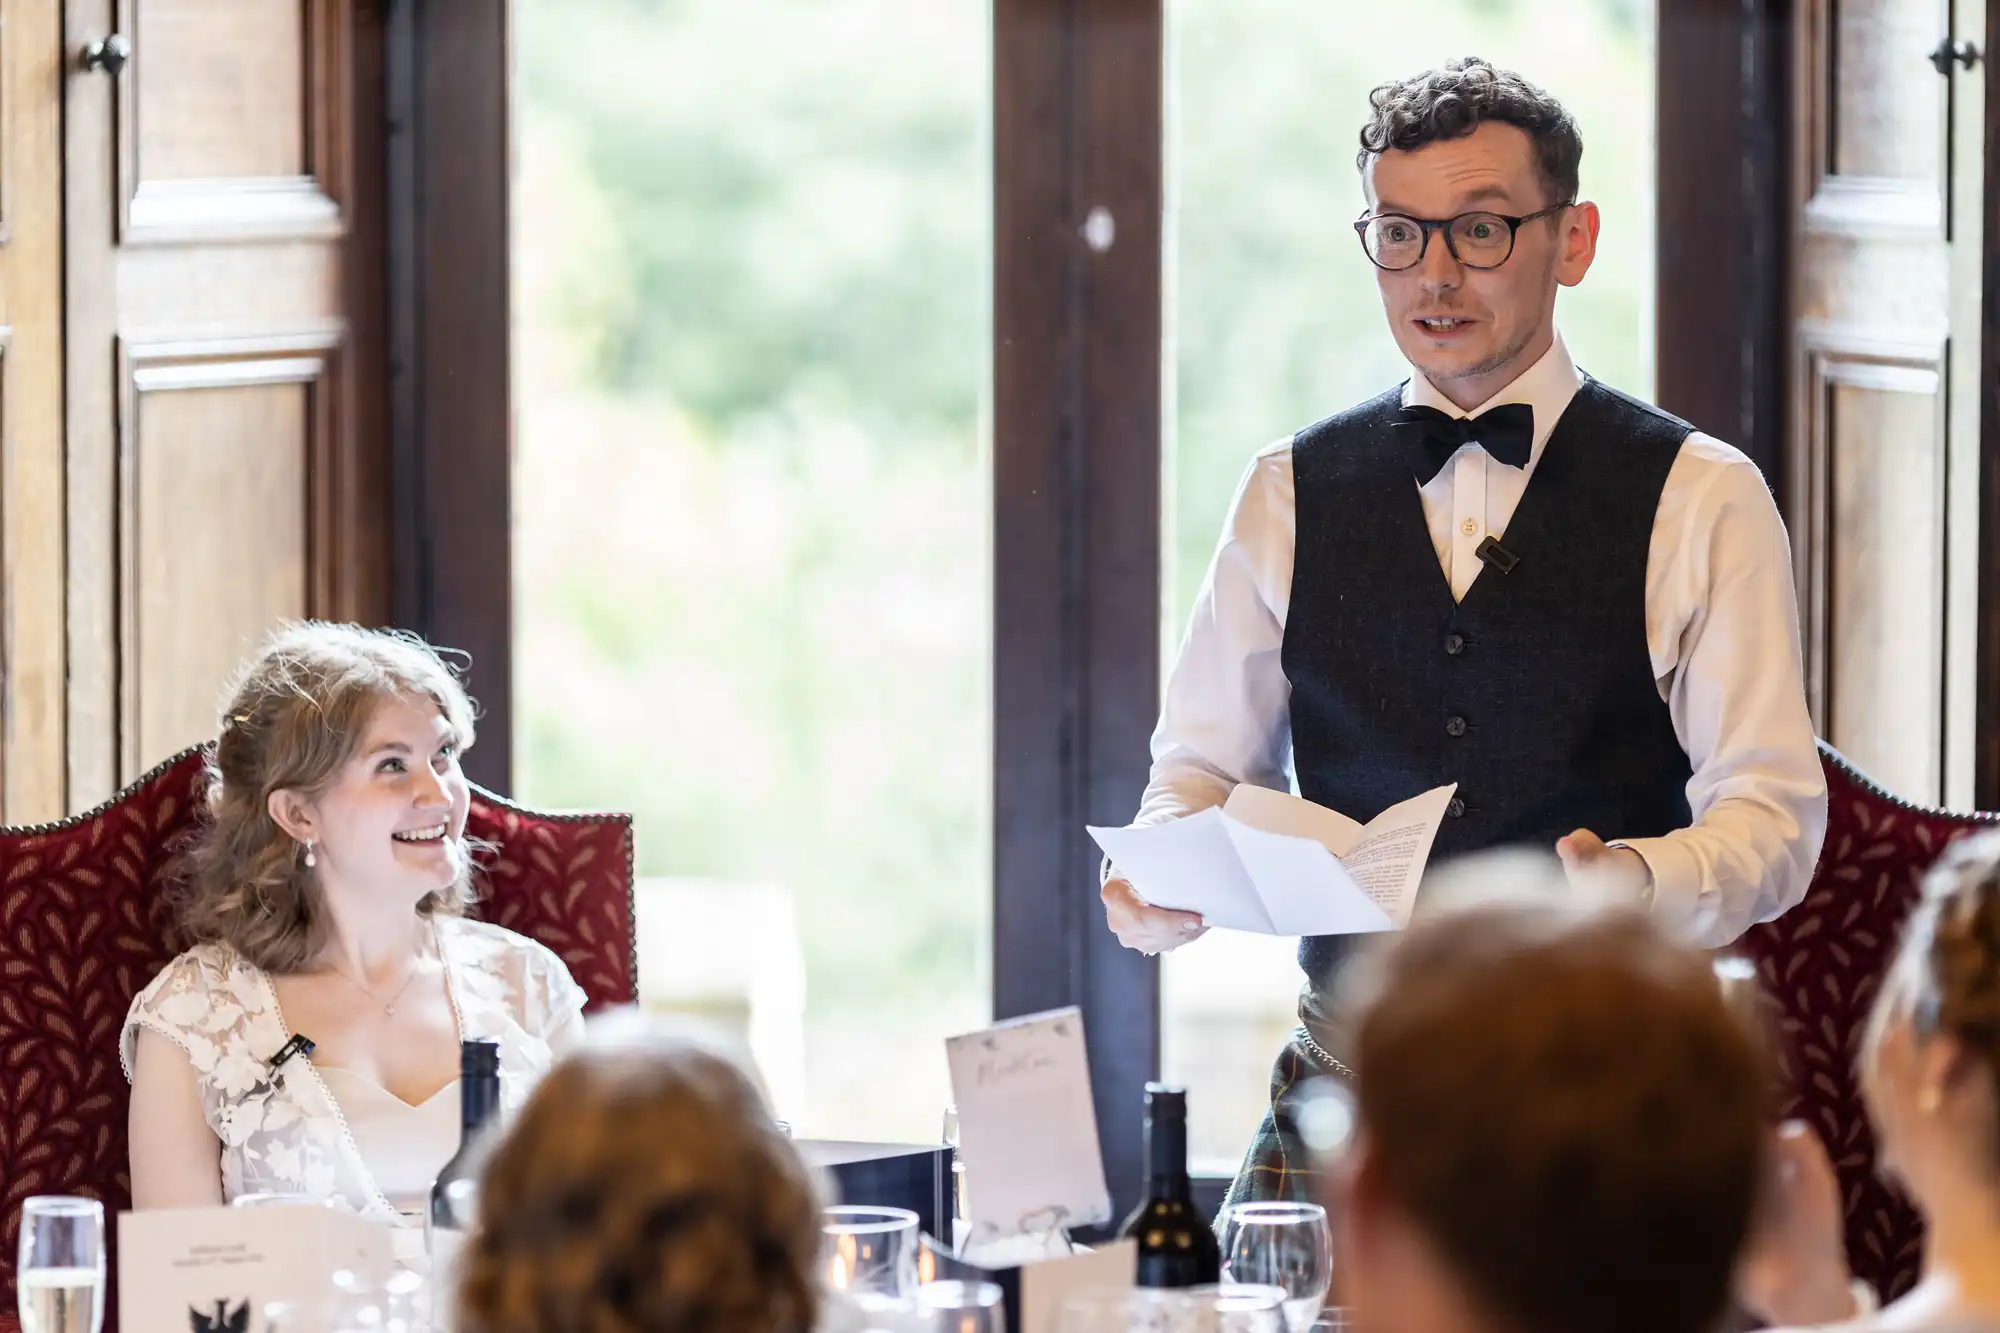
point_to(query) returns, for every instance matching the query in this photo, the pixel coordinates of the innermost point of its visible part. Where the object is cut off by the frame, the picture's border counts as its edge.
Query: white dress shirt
(1722, 626)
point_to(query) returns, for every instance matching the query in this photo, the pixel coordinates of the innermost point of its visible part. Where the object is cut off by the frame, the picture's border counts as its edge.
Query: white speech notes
(1268, 862)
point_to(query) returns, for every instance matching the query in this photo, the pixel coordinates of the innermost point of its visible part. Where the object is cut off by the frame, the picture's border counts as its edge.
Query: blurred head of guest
(1930, 1060)
(644, 1188)
(1930, 1075)
(1560, 1127)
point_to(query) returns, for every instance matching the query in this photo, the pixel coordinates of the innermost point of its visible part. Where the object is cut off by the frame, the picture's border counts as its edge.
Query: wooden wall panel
(218, 477)
(222, 449)
(32, 660)
(1885, 557)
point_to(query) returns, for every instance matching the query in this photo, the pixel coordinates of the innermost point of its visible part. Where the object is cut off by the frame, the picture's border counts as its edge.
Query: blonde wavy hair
(296, 714)
(644, 1188)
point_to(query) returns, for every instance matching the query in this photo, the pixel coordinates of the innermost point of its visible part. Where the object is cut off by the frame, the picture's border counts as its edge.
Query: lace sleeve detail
(561, 999)
(175, 1004)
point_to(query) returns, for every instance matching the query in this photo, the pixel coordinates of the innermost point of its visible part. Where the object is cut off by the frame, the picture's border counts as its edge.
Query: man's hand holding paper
(1273, 864)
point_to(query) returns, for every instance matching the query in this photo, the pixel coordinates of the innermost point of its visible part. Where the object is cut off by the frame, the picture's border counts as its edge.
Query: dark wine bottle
(1176, 1244)
(454, 1195)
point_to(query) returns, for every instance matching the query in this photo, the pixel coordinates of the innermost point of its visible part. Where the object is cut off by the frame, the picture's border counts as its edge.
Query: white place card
(217, 1268)
(1027, 1127)
(1045, 1286)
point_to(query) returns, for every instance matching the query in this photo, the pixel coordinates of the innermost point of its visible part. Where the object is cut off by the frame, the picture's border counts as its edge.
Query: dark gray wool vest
(1535, 694)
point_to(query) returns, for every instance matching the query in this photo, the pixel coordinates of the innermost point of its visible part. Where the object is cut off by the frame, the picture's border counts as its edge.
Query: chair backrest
(84, 927)
(1821, 964)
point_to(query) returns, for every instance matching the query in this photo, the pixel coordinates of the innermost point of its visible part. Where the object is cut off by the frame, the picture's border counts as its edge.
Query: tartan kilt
(1278, 1166)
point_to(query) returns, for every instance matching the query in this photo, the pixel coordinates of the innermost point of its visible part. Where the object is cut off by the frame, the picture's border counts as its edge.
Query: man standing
(1502, 574)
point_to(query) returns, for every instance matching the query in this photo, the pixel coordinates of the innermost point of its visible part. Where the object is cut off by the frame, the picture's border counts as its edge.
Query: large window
(1275, 323)
(751, 499)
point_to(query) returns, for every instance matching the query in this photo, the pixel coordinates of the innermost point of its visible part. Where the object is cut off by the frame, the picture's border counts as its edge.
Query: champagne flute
(60, 1278)
(1283, 1245)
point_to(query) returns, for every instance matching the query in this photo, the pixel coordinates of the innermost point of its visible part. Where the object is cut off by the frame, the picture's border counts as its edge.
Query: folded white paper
(217, 1268)
(1271, 863)
(1027, 1127)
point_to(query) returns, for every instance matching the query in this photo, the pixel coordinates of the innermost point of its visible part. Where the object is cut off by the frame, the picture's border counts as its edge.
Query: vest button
(1454, 644)
(1454, 726)
(1456, 809)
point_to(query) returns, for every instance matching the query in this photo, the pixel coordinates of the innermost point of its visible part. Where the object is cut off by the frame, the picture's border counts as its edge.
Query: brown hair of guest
(1944, 984)
(295, 715)
(1564, 1105)
(644, 1188)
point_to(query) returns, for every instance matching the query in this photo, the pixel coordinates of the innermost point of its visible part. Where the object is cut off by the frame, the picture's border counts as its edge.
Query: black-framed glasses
(1396, 241)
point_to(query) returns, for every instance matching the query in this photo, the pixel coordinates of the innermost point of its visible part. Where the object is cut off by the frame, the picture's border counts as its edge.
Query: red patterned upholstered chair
(1821, 963)
(83, 928)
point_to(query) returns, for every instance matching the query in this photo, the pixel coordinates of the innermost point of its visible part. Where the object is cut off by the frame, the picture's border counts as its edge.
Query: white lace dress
(286, 1132)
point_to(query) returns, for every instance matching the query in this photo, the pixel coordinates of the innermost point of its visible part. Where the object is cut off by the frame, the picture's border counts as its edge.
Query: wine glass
(961, 1307)
(1236, 1307)
(60, 1279)
(1283, 1245)
(871, 1250)
(1214, 1309)
(1121, 1310)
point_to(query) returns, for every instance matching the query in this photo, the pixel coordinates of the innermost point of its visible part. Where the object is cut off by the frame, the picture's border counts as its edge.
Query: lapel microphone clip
(299, 1045)
(1496, 555)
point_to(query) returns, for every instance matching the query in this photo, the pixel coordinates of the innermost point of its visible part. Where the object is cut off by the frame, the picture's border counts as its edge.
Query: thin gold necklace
(388, 1009)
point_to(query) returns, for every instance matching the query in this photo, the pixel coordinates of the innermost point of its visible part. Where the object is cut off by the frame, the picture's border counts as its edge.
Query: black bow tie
(1506, 432)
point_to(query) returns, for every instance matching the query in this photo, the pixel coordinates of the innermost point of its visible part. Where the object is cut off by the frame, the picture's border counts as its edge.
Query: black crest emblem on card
(224, 1320)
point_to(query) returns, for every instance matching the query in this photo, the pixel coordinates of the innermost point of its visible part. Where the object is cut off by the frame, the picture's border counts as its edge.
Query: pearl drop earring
(310, 860)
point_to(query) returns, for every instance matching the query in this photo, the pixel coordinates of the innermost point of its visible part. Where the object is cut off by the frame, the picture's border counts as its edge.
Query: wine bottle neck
(478, 1101)
(1166, 1152)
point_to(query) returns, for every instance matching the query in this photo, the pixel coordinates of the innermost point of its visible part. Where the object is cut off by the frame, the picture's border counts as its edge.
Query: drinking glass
(1283, 1245)
(961, 1307)
(1236, 1307)
(1126, 1310)
(60, 1277)
(871, 1250)
(1217, 1309)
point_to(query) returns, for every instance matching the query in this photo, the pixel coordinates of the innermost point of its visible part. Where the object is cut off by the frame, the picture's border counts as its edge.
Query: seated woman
(1930, 1075)
(644, 1189)
(323, 897)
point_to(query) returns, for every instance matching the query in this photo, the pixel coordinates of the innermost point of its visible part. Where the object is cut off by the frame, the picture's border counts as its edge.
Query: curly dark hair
(1452, 102)
(644, 1188)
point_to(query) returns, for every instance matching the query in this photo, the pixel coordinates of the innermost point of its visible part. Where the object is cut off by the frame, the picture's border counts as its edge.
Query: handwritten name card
(1027, 1127)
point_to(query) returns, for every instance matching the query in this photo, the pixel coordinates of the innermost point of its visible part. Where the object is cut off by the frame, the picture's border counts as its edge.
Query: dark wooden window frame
(1077, 89)
(1724, 110)
(1077, 126)
(1986, 782)
(447, 68)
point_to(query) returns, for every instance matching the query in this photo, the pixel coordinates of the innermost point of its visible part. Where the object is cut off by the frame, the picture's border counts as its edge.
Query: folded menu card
(1271, 863)
(214, 1270)
(1027, 1131)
